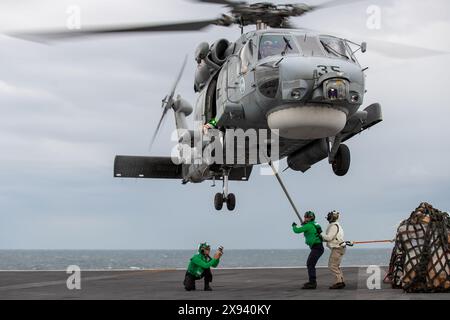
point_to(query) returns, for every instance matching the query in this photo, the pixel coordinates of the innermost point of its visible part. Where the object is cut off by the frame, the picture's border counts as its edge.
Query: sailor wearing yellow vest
(334, 237)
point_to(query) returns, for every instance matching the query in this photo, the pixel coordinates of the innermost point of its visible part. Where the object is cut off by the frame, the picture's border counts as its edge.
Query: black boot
(207, 286)
(189, 287)
(189, 282)
(208, 279)
(338, 286)
(310, 286)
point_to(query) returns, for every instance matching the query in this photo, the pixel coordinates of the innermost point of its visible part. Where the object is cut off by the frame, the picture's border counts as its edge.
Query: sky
(67, 109)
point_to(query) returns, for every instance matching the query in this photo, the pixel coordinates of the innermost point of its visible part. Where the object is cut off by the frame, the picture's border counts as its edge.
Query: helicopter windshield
(275, 45)
(336, 48)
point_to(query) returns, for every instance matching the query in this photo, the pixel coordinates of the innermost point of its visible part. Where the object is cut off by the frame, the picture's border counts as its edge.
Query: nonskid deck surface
(228, 284)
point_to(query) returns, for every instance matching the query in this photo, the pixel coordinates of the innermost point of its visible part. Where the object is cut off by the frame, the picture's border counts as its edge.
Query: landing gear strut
(225, 197)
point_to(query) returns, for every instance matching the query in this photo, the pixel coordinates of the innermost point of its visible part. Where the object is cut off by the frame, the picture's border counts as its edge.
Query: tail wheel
(218, 201)
(231, 202)
(341, 163)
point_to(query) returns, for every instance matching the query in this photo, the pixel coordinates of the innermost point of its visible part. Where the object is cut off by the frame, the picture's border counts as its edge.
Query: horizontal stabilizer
(146, 167)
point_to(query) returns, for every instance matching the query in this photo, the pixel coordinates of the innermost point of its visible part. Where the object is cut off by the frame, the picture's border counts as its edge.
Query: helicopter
(304, 86)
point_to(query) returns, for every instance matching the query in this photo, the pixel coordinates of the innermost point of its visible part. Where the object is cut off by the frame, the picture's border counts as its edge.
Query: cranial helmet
(333, 216)
(310, 214)
(203, 246)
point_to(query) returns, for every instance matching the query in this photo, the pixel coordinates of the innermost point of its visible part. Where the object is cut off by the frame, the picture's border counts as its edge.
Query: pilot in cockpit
(269, 48)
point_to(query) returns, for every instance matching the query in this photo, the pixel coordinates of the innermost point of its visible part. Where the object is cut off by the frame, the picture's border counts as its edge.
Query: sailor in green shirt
(200, 267)
(312, 230)
(212, 124)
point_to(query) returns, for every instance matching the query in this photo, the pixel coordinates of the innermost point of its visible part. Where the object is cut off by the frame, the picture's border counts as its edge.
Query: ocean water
(169, 259)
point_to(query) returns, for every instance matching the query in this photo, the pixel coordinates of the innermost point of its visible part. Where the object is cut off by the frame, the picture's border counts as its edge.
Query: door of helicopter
(240, 73)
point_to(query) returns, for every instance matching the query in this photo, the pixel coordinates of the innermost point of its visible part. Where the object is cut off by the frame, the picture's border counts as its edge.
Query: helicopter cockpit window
(336, 48)
(275, 45)
(246, 56)
(310, 46)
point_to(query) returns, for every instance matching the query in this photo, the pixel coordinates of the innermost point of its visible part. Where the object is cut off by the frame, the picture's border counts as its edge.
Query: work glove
(347, 244)
(218, 255)
(294, 224)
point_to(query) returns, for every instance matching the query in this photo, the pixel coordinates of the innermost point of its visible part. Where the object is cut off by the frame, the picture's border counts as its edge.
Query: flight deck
(228, 284)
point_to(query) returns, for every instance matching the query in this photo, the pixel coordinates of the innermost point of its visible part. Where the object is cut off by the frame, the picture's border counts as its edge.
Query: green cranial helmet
(203, 246)
(310, 214)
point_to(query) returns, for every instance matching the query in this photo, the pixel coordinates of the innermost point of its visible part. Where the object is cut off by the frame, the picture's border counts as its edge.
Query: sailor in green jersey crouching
(312, 230)
(200, 267)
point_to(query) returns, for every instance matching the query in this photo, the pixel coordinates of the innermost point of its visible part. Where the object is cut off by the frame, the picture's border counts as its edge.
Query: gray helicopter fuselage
(303, 84)
(272, 94)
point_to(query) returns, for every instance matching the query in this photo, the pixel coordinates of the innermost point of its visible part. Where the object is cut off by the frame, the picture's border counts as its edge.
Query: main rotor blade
(386, 48)
(334, 3)
(300, 9)
(401, 51)
(145, 28)
(223, 2)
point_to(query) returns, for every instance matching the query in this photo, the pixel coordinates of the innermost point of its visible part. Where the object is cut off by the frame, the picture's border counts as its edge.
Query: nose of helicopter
(315, 100)
(307, 122)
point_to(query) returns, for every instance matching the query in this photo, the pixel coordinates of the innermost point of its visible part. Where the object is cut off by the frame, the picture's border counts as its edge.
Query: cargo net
(420, 260)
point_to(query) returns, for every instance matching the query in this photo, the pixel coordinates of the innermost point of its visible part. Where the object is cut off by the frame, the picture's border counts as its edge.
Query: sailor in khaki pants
(334, 237)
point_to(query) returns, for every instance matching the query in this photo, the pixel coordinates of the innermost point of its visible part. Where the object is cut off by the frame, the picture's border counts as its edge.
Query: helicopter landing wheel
(341, 163)
(218, 201)
(231, 202)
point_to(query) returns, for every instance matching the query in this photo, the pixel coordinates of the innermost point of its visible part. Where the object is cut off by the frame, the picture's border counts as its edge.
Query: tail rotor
(168, 103)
